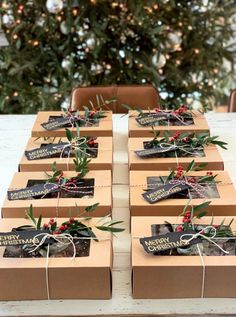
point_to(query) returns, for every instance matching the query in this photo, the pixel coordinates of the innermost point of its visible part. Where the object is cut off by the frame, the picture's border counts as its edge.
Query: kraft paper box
(164, 276)
(223, 205)
(87, 277)
(135, 130)
(104, 127)
(103, 161)
(212, 158)
(48, 206)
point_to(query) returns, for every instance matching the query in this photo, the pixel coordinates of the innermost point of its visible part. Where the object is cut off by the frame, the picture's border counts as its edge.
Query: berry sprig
(76, 227)
(180, 174)
(80, 166)
(192, 213)
(94, 114)
(178, 111)
(80, 144)
(192, 139)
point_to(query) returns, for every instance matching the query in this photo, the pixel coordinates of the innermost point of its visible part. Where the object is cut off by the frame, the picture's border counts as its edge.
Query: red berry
(52, 221)
(156, 109)
(45, 226)
(191, 180)
(62, 228)
(71, 220)
(216, 226)
(179, 228)
(185, 139)
(56, 232)
(186, 220)
(91, 142)
(187, 214)
(176, 135)
(209, 173)
(171, 139)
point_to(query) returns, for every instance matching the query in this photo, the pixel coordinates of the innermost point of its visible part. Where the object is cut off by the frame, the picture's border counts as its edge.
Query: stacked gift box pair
(63, 250)
(182, 203)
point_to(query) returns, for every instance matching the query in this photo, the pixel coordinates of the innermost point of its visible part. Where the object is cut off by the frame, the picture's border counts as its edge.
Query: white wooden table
(14, 133)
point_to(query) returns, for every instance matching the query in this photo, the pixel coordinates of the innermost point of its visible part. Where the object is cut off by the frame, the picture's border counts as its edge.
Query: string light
(178, 62)
(155, 7)
(59, 18)
(15, 94)
(7, 98)
(35, 43)
(5, 5)
(74, 12)
(216, 70)
(15, 37)
(114, 4)
(196, 51)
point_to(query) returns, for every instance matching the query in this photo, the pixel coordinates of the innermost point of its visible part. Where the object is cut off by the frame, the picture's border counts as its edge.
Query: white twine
(171, 113)
(181, 147)
(62, 238)
(199, 234)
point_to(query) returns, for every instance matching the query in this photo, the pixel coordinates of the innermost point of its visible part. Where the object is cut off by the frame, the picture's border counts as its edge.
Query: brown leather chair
(142, 96)
(232, 101)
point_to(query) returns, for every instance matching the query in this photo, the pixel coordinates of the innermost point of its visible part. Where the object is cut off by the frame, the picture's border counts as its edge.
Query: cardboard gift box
(177, 276)
(86, 277)
(223, 203)
(61, 207)
(211, 156)
(135, 130)
(104, 128)
(102, 161)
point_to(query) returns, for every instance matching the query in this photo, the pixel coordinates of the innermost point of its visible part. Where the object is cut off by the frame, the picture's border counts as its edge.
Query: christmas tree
(182, 47)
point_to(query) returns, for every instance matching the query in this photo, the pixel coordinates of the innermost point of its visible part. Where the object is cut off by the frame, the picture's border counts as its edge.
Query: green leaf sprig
(191, 213)
(76, 227)
(190, 139)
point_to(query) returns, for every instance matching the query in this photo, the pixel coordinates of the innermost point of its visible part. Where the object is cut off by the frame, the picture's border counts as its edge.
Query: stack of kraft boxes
(161, 150)
(89, 275)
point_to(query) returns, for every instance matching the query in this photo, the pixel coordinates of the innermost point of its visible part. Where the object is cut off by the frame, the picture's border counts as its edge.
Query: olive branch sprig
(191, 139)
(191, 213)
(76, 226)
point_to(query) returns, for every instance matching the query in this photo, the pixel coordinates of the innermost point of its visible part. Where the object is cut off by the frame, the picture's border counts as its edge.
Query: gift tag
(156, 151)
(164, 191)
(21, 237)
(152, 118)
(31, 192)
(57, 123)
(46, 151)
(168, 241)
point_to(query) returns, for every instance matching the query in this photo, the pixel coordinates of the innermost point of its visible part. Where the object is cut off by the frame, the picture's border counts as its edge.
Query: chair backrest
(232, 101)
(142, 96)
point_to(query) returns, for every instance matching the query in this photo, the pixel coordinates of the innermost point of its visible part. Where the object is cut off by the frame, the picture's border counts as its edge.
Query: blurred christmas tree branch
(184, 48)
